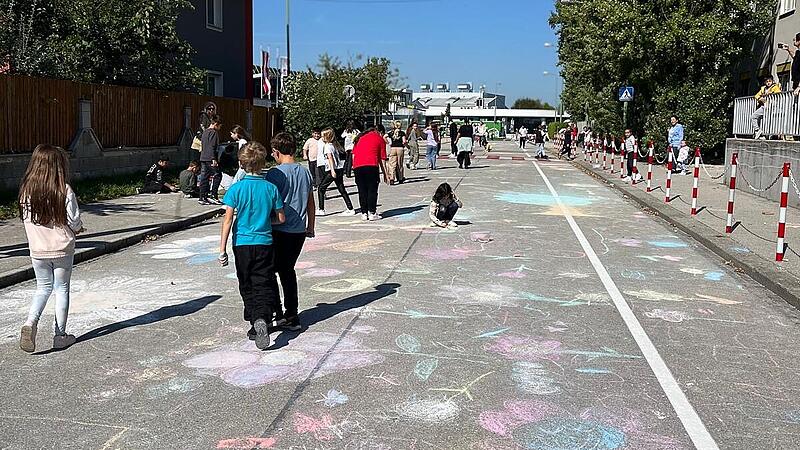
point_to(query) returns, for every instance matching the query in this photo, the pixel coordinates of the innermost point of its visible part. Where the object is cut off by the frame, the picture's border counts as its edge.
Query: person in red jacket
(369, 154)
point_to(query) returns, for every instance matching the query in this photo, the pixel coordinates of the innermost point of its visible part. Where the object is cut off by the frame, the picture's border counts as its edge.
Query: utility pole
(288, 52)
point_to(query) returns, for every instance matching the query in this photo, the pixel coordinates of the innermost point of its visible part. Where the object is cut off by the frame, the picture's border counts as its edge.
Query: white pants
(52, 275)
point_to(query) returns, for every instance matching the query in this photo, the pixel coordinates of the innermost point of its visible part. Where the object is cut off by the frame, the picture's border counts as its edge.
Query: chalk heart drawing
(342, 285)
(539, 425)
(94, 303)
(668, 316)
(198, 250)
(428, 411)
(244, 366)
(489, 295)
(523, 198)
(446, 254)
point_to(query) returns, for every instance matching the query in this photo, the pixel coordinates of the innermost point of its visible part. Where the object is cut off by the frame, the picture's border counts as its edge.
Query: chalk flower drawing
(533, 424)
(243, 365)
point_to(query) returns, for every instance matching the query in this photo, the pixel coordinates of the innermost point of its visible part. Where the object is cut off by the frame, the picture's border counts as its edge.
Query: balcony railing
(781, 115)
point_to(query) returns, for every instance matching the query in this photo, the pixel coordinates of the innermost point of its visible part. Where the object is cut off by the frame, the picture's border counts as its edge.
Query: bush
(553, 127)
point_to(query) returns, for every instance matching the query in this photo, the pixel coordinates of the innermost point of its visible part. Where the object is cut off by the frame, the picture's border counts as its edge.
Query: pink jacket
(53, 241)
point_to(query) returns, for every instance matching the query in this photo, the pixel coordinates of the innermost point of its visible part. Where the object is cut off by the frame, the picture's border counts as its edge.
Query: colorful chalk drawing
(655, 296)
(713, 275)
(244, 366)
(325, 428)
(334, 398)
(198, 250)
(481, 237)
(517, 272)
(657, 258)
(491, 334)
(428, 411)
(408, 343)
(533, 378)
(425, 368)
(668, 244)
(449, 254)
(247, 443)
(634, 243)
(489, 295)
(357, 246)
(741, 249)
(560, 302)
(692, 271)
(319, 272)
(342, 285)
(668, 316)
(539, 425)
(95, 303)
(522, 198)
(528, 349)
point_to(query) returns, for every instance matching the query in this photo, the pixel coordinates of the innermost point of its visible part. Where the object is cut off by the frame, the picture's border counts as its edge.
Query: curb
(763, 271)
(25, 273)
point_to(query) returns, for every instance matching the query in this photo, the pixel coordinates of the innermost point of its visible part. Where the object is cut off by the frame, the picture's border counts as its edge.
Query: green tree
(124, 42)
(316, 98)
(530, 103)
(678, 54)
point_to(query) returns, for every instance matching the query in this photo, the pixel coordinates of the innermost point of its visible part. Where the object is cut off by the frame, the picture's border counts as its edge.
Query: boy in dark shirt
(210, 177)
(154, 179)
(188, 180)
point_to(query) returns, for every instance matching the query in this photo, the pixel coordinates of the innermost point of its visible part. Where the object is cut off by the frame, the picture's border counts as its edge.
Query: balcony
(781, 115)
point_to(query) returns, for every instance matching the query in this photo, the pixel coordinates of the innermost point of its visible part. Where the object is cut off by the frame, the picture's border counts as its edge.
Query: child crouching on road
(444, 206)
(258, 206)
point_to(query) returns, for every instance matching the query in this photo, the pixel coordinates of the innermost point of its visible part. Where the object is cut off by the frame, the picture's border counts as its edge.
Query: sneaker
(320, 212)
(62, 341)
(293, 324)
(27, 338)
(374, 216)
(364, 216)
(263, 340)
(348, 212)
(758, 134)
(203, 202)
(215, 201)
(626, 179)
(452, 225)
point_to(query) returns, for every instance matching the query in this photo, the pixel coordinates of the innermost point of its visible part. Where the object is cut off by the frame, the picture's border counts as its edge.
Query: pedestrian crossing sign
(626, 94)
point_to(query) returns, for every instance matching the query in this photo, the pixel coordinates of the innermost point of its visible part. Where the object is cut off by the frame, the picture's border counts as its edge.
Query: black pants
(447, 214)
(254, 269)
(463, 159)
(629, 163)
(312, 167)
(567, 150)
(348, 164)
(155, 187)
(367, 181)
(287, 247)
(209, 180)
(522, 142)
(326, 181)
(453, 146)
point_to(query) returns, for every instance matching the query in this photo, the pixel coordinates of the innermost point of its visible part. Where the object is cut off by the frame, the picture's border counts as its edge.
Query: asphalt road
(557, 316)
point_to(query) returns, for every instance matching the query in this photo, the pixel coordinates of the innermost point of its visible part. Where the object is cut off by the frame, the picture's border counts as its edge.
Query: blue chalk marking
(565, 303)
(489, 334)
(558, 433)
(592, 370)
(424, 368)
(667, 244)
(714, 276)
(408, 343)
(202, 259)
(522, 198)
(740, 249)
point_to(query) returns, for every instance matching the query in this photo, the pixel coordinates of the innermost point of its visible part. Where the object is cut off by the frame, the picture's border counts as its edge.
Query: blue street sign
(626, 94)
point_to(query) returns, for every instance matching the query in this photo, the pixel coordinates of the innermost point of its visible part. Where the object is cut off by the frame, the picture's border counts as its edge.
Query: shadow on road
(325, 311)
(401, 211)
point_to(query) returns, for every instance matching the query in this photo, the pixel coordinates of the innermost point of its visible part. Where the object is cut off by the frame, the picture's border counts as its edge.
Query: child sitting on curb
(444, 206)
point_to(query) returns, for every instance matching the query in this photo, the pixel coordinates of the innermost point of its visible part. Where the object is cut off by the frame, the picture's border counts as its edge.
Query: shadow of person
(402, 211)
(325, 311)
(163, 313)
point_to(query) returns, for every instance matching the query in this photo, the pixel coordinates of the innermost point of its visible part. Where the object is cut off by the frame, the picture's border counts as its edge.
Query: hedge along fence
(36, 110)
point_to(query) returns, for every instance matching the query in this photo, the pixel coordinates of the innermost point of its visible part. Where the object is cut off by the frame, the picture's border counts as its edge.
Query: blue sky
(429, 41)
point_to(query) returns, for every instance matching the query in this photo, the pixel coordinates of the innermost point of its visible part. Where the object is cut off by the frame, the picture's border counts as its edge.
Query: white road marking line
(692, 423)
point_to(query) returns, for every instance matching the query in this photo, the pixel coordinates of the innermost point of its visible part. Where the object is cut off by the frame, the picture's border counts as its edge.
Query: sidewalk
(110, 225)
(752, 244)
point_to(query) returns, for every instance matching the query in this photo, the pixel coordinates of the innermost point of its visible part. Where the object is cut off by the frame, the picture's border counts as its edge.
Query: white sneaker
(374, 217)
(758, 134)
(364, 216)
(626, 179)
(452, 225)
(639, 177)
(348, 212)
(320, 212)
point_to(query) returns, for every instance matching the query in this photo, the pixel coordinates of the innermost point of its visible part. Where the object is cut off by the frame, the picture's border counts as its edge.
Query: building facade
(221, 33)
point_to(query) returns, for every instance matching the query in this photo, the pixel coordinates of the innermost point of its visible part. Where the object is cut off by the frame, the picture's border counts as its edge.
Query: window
(214, 83)
(214, 14)
(786, 6)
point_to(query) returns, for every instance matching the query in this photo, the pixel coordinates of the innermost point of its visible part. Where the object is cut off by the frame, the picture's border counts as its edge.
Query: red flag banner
(266, 88)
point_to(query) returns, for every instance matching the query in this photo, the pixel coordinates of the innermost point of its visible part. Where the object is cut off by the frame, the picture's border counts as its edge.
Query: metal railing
(781, 115)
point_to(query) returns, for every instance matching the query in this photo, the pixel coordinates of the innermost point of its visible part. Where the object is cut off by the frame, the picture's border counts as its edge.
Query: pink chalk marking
(525, 349)
(247, 443)
(321, 272)
(305, 265)
(514, 414)
(629, 242)
(320, 428)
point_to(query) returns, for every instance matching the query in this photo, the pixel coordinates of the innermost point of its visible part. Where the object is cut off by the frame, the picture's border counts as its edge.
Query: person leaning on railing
(795, 71)
(770, 87)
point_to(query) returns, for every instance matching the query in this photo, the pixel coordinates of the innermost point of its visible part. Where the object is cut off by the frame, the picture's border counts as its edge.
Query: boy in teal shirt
(258, 206)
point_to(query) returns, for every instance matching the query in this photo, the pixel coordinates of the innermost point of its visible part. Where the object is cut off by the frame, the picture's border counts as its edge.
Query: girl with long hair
(49, 209)
(332, 161)
(397, 138)
(444, 206)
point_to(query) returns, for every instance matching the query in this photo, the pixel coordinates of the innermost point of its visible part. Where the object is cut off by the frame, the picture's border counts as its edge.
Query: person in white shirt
(523, 136)
(630, 147)
(310, 150)
(330, 163)
(239, 136)
(349, 135)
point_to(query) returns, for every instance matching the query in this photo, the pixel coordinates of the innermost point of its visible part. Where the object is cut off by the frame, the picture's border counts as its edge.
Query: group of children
(267, 216)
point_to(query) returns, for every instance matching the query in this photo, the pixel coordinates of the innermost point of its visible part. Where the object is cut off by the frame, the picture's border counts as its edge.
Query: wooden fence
(37, 110)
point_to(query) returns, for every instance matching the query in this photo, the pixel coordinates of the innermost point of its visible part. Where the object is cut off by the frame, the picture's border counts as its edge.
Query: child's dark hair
(163, 158)
(240, 131)
(284, 143)
(194, 164)
(443, 191)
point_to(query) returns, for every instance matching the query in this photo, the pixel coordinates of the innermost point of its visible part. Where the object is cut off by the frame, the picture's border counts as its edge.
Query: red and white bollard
(782, 214)
(635, 168)
(696, 180)
(622, 160)
(596, 148)
(669, 177)
(613, 153)
(650, 167)
(605, 152)
(732, 193)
